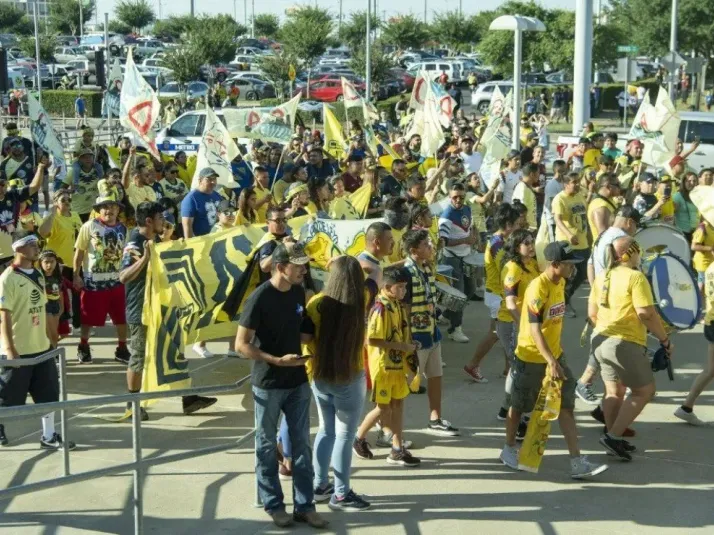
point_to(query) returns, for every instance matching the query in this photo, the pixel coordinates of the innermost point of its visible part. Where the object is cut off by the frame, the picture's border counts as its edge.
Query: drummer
(622, 309)
(646, 201)
(458, 237)
(602, 207)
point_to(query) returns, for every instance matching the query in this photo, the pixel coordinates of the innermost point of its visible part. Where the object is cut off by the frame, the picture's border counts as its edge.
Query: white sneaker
(459, 336)
(232, 354)
(384, 440)
(509, 456)
(202, 351)
(688, 417)
(581, 468)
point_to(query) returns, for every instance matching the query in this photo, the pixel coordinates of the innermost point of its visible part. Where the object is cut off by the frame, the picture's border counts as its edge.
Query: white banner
(216, 150)
(139, 106)
(351, 97)
(658, 128)
(42, 131)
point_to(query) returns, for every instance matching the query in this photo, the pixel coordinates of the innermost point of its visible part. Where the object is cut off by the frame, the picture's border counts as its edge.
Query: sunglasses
(65, 199)
(278, 220)
(229, 213)
(458, 197)
(172, 171)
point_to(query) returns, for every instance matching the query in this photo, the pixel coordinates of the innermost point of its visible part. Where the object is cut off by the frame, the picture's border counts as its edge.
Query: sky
(386, 7)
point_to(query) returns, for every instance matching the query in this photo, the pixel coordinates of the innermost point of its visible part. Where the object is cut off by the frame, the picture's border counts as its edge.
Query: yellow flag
(334, 139)
(352, 206)
(547, 409)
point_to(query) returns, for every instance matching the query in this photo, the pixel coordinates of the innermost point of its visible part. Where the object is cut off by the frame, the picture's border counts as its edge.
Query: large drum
(675, 291)
(660, 237)
(450, 298)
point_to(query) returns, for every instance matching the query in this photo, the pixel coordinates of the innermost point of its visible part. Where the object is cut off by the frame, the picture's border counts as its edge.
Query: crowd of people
(375, 325)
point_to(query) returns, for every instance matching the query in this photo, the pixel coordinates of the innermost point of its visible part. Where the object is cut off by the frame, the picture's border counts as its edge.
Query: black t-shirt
(277, 318)
(10, 208)
(391, 187)
(133, 251)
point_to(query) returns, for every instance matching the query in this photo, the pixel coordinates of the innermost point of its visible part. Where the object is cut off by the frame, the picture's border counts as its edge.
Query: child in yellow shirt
(703, 247)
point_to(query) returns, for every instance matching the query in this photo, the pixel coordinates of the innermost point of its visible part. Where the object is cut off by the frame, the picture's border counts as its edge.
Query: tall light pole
(582, 77)
(81, 20)
(518, 25)
(425, 11)
(673, 45)
(36, 15)
(368, 54)
(192, 8)
(252, 19)
(245, 13)
(339, 21)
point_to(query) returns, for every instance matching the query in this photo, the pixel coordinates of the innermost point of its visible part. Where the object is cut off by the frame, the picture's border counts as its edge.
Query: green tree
(174, 27)
(185, 61)
(215, 36)
(405, 32)
(379, 62)
(64, 15)
(14, 20)
(118, 26)
(306, 34)
(650, 33)
(47, 47)
(276, 67)
(456, 32)
(353, 32)
(135, 13)
(267, 25)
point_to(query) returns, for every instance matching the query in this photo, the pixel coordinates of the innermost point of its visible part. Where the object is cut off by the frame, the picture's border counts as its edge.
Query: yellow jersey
(571, 208)
(617, 318)
(703, 235)
(138, 194)
(524, 193)
(709, 294)
(477, 215)
(544, 304)
(666, 213)
(398, 253)
(260, 194)
(62, 236)
(23, 295)
(387, 321)
(597, 203)
(515, 280)
(591, 156)
(173, 191)
(492, 259)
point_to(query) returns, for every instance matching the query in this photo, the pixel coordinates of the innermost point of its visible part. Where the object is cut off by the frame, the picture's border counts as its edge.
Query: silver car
(482, 96)
(193, 89)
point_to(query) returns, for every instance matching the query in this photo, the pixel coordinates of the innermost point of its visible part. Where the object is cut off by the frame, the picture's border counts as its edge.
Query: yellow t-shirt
(279, 189)
(477, 215)
(62, 236)
(666, 213)
(241, 219)
(24, 297)
(590, 157)
(515, 280)
(492, 259)
(387, 321)
(572, 210)
(596, 204)
(709, 294)
(85, 192)
(544, 303)
(184, 175)
(526, 195)
(629, 289)
(703, 235)
(260, 194)
(173, 191)
(138, 194)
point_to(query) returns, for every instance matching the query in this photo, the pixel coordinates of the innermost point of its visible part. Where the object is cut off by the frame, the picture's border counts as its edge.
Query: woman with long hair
(319, 190)
(686, 215)
(338, 379)
(246, 207)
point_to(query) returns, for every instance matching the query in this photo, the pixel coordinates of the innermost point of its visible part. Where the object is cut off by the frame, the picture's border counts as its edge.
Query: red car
(328, 89)
(405, 76)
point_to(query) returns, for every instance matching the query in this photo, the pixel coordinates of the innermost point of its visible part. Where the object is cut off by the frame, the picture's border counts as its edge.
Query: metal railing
(139, 464)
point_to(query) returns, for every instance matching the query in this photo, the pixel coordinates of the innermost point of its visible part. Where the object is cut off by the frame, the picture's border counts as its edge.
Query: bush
(58, 102)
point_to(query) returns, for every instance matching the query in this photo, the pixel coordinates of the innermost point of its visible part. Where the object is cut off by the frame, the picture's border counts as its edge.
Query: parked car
(482, 97)
(435, 68)
(65, 54)
(250, 74)
(196, 89)
(250, 51)
(405, 75)
(328, 90)
(146, 49)
(559, 77)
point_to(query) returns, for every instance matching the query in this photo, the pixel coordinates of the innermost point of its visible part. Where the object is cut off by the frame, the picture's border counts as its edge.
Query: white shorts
(493, 302)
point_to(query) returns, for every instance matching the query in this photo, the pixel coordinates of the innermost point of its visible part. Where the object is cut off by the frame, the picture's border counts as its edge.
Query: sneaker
(509, 457)
(55, 443)
(324, 492)
(143, 415)
(570, 311)
(3, 437)
(192, 404)
(350, 502)
(420, 390)
(522, 430)
(361, 448)
(582, 468)
(458, 336)
(628, 433)
(403, 458)
(502, 414)
(688, 417)
(202, 351)
(597, 413)
(617, 448)
(285, 473)
(474, 374)
(585, 392)
(232, 354)
(84, 354)
(121, 354)
(442, 427)
(384, 440)
(628, 446)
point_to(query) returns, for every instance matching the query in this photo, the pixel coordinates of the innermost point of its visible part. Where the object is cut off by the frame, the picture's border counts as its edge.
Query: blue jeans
(284, 439)
(339, 407)
(295, 404)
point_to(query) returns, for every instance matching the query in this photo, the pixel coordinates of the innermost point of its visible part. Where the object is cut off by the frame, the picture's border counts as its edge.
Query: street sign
(291, 73)
(672, 61)
(626, 69)
(628, 49)
(695, 65)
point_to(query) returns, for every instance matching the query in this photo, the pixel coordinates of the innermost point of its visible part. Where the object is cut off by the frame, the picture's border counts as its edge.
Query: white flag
(658, 128)
(424, 86)
(427, 124)
(139, 105)
(351, 97)
(42, 131)
(286, 112)
(217, 150)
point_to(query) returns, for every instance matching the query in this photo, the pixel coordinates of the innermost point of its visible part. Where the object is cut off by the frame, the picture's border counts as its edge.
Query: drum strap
(598, 196)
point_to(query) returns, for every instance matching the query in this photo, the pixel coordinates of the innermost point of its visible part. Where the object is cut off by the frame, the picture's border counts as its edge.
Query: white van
(185, 133)
(435, 67)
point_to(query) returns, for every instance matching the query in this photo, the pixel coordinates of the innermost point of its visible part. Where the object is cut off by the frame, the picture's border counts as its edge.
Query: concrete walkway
(461, 486)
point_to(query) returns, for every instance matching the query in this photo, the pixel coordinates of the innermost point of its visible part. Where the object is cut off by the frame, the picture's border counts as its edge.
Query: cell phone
(667, 191)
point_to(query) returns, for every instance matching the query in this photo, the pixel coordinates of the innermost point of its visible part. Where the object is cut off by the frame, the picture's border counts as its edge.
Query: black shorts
(53, 307)
(40, 381)
(709, 332)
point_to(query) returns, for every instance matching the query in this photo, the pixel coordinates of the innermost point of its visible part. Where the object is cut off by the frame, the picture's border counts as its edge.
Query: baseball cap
(648, 177)
(560, 251)
(85, 152)
(169, 218)
(513, 154)
(628, 212)
(290, 253)
(355, 158)
(294, 189)
(105, 199)
(288, 167)
(225, 205)
(14, 141)
(207, 172)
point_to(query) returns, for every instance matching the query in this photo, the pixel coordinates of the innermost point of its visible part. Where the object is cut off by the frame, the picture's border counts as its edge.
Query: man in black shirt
(137, 253)
(278, 228)
(318, 166)
(272, 325)
(394, 185)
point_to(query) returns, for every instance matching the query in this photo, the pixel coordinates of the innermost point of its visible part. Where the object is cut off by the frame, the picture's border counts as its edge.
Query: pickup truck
(694, 125)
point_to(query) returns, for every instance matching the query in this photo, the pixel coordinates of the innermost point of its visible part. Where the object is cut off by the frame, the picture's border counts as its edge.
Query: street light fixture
(517, 24)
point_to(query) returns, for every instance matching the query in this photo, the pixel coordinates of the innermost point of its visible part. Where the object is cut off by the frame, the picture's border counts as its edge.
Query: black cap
(290, 253)
(628, 212)
(648, 177)
(225, 205)
(560, 251)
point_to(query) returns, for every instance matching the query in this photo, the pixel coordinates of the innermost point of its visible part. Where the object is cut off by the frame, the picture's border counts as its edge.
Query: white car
(250, 74)
(185, 133)
(436, 67)
(65, 54)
